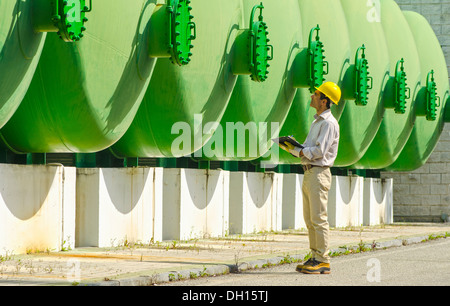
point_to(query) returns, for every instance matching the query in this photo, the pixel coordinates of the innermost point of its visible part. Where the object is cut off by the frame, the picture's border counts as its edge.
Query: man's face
(316, 102)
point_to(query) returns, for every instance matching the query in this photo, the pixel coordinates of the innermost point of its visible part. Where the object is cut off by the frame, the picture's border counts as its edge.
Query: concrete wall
(424, 194)
(53, 207)
(37, 208)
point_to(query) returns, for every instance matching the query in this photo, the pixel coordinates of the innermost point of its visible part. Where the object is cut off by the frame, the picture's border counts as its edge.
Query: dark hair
(323, 97)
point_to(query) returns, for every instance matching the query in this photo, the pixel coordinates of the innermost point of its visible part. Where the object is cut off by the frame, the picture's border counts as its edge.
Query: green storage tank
(179, 103)
(399, 93)
(85, 94)
(146, 78)
(20, 49)
(334, 36)
(429, 102)
(258, 107)
(363, 110)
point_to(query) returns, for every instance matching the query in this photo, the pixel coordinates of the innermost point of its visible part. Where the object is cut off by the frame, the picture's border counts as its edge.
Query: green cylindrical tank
(180, 102)
(20, 49)
(429, 124)
(257, 109)
(363, 112)
(329, 15)
(85, 94)
(399, 115)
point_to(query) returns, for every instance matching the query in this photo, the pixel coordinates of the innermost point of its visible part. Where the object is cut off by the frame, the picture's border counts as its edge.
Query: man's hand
(287, 146)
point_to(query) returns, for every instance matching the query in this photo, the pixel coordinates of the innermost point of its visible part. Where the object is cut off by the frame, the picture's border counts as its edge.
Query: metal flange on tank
(310, 64)
(251, 53)
(172, 32)
(66, 17)
(356, 81)
(397, 92)
(428, 100)
(362, 77)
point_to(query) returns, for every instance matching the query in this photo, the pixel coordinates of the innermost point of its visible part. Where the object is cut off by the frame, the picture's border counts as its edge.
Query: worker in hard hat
(317, 156)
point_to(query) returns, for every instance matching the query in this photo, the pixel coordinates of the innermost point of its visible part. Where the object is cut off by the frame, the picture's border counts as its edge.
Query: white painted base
(292, 201)
(54, 207)
(195, 203)
(116, 206)
(37, 208)
(356, 201)
(378, 201)
(255, 202)
(345, 201)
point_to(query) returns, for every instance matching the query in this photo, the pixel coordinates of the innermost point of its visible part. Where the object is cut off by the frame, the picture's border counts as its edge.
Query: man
(317, 156)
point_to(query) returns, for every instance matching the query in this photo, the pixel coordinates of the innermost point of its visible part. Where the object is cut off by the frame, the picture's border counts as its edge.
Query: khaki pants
(316, 184)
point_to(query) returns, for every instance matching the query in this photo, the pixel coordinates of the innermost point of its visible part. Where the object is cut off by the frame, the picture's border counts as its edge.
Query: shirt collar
(325, 114)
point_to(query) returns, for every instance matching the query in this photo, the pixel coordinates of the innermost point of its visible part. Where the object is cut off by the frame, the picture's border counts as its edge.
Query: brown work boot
(316, 267)
(300, 266)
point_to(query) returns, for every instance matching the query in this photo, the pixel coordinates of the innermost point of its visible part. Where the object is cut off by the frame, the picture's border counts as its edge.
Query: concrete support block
(378, 201)
(35, 214)
(253, 202)
(195, 203)
(345, 201)
(113, 206)
(292, 201)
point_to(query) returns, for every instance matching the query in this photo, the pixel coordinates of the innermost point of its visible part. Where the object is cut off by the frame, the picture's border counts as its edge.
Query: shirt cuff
(307, 154)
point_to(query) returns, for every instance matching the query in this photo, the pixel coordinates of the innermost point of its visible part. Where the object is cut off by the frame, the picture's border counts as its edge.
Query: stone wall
(424, 194)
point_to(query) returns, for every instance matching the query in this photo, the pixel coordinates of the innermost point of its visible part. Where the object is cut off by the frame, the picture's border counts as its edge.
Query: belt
(308, 167)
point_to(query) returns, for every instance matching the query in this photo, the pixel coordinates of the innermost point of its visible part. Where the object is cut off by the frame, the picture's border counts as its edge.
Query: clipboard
(290, 139)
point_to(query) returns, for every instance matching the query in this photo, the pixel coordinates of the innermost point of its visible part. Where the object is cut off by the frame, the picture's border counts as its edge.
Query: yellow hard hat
(331, 90)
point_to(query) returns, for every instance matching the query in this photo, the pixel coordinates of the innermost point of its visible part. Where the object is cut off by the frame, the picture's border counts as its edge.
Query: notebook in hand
(290, 139)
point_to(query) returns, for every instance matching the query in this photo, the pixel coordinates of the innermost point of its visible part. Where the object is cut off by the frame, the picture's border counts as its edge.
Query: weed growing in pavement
(360, 248)
(204, 273)
(171, 277)
(8, 256)
(436, 236)
(288, 259)
(193, 275)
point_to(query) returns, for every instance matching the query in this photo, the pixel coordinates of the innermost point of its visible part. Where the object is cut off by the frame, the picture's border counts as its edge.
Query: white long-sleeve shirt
(321, 144)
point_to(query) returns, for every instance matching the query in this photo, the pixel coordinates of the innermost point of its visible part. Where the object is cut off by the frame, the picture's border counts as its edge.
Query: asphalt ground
(418, 264)
(158, 263)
